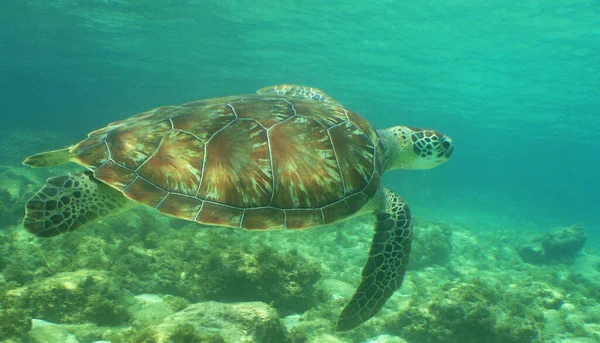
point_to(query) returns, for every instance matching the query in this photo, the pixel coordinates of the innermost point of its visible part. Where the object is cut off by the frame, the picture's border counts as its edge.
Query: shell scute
(323, 113)
(144, 118)
(355, 154)
(357, 201)
(91, 153)
(133, 144)
(336, 211)
(363, 125)
(372, 187)
(263, 218)
(304, 165)
(180, 206)
(218, 214)
(238, 167)
(115, 175)
(203, 120)
(145, 192)
(176, 165)
(158, 114)
(267, 112)
(299, 219)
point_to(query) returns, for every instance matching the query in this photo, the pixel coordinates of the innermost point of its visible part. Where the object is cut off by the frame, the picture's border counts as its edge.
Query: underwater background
(514, 83)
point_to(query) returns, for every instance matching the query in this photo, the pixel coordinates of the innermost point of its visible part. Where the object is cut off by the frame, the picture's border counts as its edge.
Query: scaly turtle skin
(288, 157)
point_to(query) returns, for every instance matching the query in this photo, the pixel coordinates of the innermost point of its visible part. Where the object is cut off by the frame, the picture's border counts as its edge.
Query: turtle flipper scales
(386, 265)
(69, 201)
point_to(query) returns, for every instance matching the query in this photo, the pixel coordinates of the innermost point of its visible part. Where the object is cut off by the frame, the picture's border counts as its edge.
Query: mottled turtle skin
(287, 157)
(258, 161)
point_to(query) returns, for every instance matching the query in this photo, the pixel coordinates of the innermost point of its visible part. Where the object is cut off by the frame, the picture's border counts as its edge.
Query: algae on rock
(472, 310)
(252, 322)
(432, 245)
(15, 319)
(558, 245)
(82, 296)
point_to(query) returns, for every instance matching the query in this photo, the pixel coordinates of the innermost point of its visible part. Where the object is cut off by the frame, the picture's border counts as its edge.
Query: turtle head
(415, 148)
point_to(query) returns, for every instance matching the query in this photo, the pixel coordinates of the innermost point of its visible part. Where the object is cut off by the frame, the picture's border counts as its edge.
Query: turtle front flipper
(69, 201)
(386, 265)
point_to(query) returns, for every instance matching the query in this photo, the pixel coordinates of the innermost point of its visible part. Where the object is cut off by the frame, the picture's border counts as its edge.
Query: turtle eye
(446, 143)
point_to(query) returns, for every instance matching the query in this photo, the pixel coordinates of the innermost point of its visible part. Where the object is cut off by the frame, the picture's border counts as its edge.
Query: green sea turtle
(288, 157)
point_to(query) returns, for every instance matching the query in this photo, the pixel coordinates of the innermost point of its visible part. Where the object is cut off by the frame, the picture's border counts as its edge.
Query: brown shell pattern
(254, 161)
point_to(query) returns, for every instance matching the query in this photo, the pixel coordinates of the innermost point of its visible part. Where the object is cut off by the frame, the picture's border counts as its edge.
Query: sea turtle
(288, 157)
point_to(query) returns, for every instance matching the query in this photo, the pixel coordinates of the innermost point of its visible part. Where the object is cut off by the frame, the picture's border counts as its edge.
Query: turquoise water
(514, 83)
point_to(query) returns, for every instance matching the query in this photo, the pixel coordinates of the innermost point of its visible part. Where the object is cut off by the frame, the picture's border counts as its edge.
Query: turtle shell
(258, 161)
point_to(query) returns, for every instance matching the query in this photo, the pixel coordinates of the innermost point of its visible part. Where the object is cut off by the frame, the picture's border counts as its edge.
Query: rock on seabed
(251, 322)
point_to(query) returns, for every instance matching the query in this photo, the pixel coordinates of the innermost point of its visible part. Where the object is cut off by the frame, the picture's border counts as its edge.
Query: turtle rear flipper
(69, 201)
(386, 265)
(49, 158)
